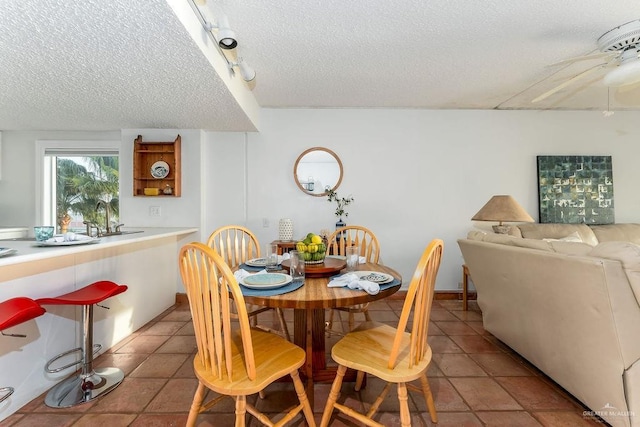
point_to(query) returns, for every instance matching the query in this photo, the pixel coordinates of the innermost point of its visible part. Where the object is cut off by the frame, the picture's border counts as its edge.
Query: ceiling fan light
(625, 74)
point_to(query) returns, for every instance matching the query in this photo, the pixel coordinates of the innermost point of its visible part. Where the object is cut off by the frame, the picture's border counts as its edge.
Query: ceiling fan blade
(609, 55)
(570, 81)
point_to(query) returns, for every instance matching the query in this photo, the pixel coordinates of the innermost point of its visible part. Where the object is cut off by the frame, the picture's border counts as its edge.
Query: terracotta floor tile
(92, 420)
(159, 366)
(179, 344)
(452, 419)
(508, 419)
(48, 420)
(164, 328)
(127, 362)
(445, 396)
(186, 370)
(458, 365)
(500, 364)
(484, 394)
(143, 344)
(468, 316)
(175, 396)
(187, 329)
(475, 344)
(442, 316)
(477, 326)
(133, 395)
(535, 394)
(160, 420)
(443, 344)
(434, 330)
(177, 316)
(456, 328)
(565, 419)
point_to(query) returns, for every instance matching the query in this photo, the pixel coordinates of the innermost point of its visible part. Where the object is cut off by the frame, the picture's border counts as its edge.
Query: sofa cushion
(629, 256)
(573, 237)
(617, 232)
(570, 248)
(557, 231)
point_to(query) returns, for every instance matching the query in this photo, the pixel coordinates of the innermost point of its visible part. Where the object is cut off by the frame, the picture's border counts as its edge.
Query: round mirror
(317, 170)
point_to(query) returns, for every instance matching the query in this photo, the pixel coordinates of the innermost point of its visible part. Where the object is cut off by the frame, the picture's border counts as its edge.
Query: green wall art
(575, 189)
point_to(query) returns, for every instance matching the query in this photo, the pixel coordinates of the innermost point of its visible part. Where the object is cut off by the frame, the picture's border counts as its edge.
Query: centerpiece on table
(312, 249)
(341, 205)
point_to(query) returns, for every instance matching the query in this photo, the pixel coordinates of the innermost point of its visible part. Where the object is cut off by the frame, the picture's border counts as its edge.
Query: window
(74, 175)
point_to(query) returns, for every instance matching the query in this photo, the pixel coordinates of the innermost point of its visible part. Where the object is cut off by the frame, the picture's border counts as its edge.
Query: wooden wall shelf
(145, 155)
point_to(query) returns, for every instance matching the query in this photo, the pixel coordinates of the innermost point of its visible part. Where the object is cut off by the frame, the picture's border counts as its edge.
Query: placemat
(250, 267)
(290, 287)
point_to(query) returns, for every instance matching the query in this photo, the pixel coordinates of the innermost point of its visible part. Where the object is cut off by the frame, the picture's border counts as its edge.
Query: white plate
(160, 169)
(266, 280)
(376, 277)
(257, 262)
(69, 243)
(7, 251)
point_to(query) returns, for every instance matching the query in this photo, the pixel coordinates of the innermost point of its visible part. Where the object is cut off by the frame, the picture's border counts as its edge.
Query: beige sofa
(566, 297)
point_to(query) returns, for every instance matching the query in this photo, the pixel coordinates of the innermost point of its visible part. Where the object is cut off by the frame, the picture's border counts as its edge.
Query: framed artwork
(575, 189)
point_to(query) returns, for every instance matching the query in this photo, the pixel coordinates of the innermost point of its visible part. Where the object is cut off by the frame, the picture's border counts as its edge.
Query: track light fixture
(226, 36)
(246, 72)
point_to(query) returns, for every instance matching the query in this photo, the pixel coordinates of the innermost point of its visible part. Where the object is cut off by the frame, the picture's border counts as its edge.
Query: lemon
(316, 239)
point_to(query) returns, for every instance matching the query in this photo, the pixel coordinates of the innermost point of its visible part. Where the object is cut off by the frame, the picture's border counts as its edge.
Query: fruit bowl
(312, 249)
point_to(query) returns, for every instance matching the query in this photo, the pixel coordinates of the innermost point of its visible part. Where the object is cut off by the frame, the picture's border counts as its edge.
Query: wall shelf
(145, 154)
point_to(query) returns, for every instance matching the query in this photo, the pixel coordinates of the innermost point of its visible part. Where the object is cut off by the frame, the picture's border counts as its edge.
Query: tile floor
(476, 381)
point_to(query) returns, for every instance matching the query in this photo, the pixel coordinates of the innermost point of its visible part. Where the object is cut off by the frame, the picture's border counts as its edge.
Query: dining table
(309, 303)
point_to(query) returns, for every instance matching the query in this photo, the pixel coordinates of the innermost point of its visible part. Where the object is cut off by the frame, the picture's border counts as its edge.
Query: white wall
(415, 174)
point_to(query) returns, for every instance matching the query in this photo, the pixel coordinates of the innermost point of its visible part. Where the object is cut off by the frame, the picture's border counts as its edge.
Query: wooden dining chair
(369, 248)
(237, 244)
(392, 354)
(233, 360)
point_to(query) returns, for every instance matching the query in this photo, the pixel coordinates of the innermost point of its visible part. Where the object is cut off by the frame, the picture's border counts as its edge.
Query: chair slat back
(210, 284)
(235, 243)
(365, 239)
(418, 303)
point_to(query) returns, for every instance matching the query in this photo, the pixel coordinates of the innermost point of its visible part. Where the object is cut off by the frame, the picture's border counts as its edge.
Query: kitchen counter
(146, 262)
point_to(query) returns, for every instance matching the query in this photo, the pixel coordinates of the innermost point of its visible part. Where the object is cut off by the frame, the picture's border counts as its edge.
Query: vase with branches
(341, 205)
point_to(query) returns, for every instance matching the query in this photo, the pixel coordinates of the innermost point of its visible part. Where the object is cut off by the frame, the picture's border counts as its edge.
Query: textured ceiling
(105, 65)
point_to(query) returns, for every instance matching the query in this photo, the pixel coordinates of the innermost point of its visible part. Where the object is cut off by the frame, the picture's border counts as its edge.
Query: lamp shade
(502, 208)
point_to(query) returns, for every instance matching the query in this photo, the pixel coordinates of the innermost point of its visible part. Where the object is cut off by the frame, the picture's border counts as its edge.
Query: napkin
(68, 237)
(284, 256)
(352, 281)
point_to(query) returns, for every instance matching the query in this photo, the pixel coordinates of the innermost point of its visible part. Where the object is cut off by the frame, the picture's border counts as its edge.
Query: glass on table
(353, 256)
(271, 256)
(296, 266)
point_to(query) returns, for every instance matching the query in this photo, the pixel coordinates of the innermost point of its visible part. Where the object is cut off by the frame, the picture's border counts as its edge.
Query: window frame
(44, 170)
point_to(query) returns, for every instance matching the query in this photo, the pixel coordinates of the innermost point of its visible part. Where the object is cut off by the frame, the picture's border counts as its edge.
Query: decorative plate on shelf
(266, 280)
(160, 169)
(375, 277)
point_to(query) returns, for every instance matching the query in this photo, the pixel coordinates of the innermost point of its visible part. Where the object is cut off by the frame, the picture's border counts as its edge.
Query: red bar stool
(89, 383)
(13, 312)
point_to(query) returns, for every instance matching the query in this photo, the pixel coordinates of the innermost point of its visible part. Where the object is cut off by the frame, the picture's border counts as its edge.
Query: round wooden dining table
(309, 303)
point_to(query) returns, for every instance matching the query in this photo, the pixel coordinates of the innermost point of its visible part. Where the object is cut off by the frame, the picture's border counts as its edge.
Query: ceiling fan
(620, 50)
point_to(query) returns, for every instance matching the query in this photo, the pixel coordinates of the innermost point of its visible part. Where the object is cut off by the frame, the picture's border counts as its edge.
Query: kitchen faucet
(107, 211)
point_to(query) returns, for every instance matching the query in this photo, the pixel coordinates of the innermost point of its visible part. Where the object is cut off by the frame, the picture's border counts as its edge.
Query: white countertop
(28, 251)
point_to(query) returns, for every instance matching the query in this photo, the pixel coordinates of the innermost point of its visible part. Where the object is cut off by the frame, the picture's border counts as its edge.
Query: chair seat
(273, 355)
(367, 348)
(91, 294)
(18, 310)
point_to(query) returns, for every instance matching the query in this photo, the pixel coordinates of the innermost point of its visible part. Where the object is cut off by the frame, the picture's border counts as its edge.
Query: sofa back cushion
(629, 256)
(557, 231)
(617, 232)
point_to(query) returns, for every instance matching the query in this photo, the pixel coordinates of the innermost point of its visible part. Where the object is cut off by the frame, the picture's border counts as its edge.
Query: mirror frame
(295, 169)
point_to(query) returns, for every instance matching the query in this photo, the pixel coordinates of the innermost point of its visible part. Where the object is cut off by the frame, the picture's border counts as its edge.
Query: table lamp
(502, 208)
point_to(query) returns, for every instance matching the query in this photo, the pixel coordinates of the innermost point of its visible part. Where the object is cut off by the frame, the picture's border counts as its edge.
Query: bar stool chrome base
(83, 388)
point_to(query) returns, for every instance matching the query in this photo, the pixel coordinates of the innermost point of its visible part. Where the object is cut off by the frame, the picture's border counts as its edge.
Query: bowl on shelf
(151, 191)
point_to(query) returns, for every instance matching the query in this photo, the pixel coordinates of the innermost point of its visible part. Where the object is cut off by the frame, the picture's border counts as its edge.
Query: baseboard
(400, 295)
